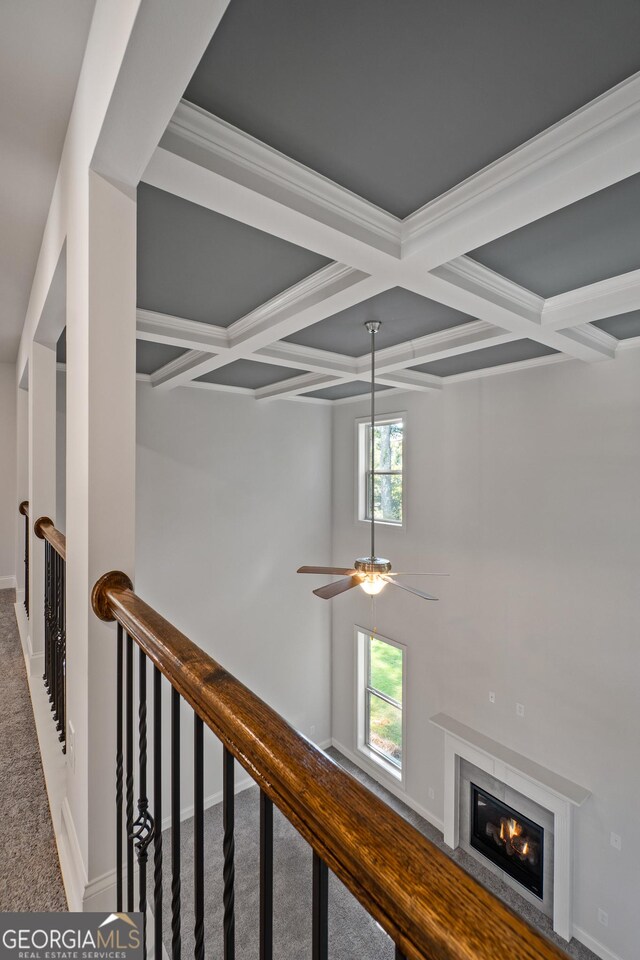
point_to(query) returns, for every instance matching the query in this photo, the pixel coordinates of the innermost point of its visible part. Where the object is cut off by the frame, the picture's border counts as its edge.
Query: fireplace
(507, 838)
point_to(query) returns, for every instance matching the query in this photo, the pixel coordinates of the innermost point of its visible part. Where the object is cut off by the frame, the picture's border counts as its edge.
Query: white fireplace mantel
(552, 791)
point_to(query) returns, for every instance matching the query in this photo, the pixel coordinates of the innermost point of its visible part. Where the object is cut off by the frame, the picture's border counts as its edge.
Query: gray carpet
(353, 935)
(30, 876)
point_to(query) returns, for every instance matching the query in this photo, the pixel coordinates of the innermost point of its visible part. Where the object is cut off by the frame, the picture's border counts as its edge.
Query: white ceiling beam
(165, 46)
(467, 285)
(178, 332)
(326, 292)
(597, 301)
(298, 385)
(589, 150)
(435, 346)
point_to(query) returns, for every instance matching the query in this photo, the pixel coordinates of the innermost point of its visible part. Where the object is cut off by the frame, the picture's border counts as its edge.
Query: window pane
(385, 729)
(387, 439)
(385, 668)
(387, 500)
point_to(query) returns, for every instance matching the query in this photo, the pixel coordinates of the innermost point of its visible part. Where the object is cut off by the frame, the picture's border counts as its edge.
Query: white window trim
(362, 468)
(375, 761)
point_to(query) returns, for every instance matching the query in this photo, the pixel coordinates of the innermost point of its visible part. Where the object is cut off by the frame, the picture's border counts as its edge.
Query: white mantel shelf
(566, 789)
(547, 788)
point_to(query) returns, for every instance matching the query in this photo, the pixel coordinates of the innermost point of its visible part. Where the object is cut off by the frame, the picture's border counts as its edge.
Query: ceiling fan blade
(418, 593)
(340, 586)
(413, 573)
(342, 571)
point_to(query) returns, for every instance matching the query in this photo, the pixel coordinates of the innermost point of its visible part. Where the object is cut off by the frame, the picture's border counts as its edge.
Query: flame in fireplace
(525, 849)
(514, 829)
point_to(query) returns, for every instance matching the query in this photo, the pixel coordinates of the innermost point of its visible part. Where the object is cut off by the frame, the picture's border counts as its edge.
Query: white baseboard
(392, 788)
(71, 863)
(594, 945)
(7, 583)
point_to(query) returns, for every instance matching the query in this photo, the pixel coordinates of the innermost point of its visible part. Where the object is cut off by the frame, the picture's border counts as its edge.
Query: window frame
(377, 760)
(363, 467)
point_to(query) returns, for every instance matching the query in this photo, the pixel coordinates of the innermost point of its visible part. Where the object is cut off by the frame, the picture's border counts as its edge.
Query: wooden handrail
(23, 509)
(44, 529)
(430, 907)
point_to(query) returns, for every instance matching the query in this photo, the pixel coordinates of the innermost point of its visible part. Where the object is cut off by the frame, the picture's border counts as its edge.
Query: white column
(100, 509)
(42, 483)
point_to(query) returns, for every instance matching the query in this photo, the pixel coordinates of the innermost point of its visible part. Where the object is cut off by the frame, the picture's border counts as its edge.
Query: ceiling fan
(371, 573)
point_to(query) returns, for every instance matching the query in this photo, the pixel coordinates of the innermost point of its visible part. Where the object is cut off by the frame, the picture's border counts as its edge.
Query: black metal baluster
(129, 783)
(143, 828)
(47, 619)
(228, 849)
(399, 954)
(119, 682)
(176, 944)
(57, 633)
(157, 811)
(266, 877)
(26, 563)
(198, 835)
(62, 630)
(320, 924)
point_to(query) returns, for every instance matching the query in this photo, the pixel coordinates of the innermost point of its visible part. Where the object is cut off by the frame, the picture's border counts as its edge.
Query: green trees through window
(383, 698)
(388, 440)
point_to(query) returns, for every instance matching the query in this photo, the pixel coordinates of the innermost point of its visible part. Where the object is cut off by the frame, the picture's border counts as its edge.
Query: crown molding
(296, 385)
(560, 165)
(434, 346)
(309, 358)
(506, 368)
(179, 332)
(248, 161)
(596, 301)
(474, 277)
(185, 364)
(316, 288)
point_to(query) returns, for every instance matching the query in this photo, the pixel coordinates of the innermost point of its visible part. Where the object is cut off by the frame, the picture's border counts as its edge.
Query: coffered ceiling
(469, 174)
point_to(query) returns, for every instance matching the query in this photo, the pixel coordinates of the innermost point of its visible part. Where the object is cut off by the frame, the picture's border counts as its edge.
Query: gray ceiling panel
(404, 315)
(399, 102)
(623, 327)
(250, 374)
(489, 357)
(593, 239)
(195, 263)
(151, 356)
(357, 388)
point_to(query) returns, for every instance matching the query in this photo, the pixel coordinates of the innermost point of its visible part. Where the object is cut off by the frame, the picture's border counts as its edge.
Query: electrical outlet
(520, 709)
(603, 917)
(71, 746)
(616, 841)
(492, 697)
(432, 793)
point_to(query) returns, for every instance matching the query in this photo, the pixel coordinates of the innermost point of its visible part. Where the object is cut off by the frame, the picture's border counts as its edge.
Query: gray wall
(8, 474)
(525, 488)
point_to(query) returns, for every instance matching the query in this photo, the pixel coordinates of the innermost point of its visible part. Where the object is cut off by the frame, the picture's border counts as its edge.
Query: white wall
(61, 451)
(8, 474)
(232, 496)
(525, 487)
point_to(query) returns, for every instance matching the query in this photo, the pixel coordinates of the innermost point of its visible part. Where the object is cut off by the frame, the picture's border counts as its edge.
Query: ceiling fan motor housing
(372, 565)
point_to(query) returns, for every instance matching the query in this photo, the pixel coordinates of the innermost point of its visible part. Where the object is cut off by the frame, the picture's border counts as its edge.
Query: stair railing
(55, 633)
(430, 907)
(23, 509)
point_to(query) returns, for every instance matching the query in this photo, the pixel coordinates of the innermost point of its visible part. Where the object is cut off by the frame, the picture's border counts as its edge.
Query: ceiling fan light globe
(372, 584)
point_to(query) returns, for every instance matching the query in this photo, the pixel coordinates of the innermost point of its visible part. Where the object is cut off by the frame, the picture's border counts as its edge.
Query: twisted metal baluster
(119, 772)
(129, 782)
(198, 835)
(157, 810)
(143, 827)
(176, 941)
(228, 849)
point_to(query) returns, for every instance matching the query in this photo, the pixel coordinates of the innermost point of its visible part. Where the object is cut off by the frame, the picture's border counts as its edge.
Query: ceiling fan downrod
(373, 326)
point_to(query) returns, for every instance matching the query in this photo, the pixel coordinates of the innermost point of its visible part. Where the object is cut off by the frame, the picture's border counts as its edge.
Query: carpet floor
(30, 878)
(353, 935)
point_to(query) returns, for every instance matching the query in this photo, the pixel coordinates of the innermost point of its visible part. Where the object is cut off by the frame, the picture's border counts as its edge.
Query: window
(381, 695)
(388, 450)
